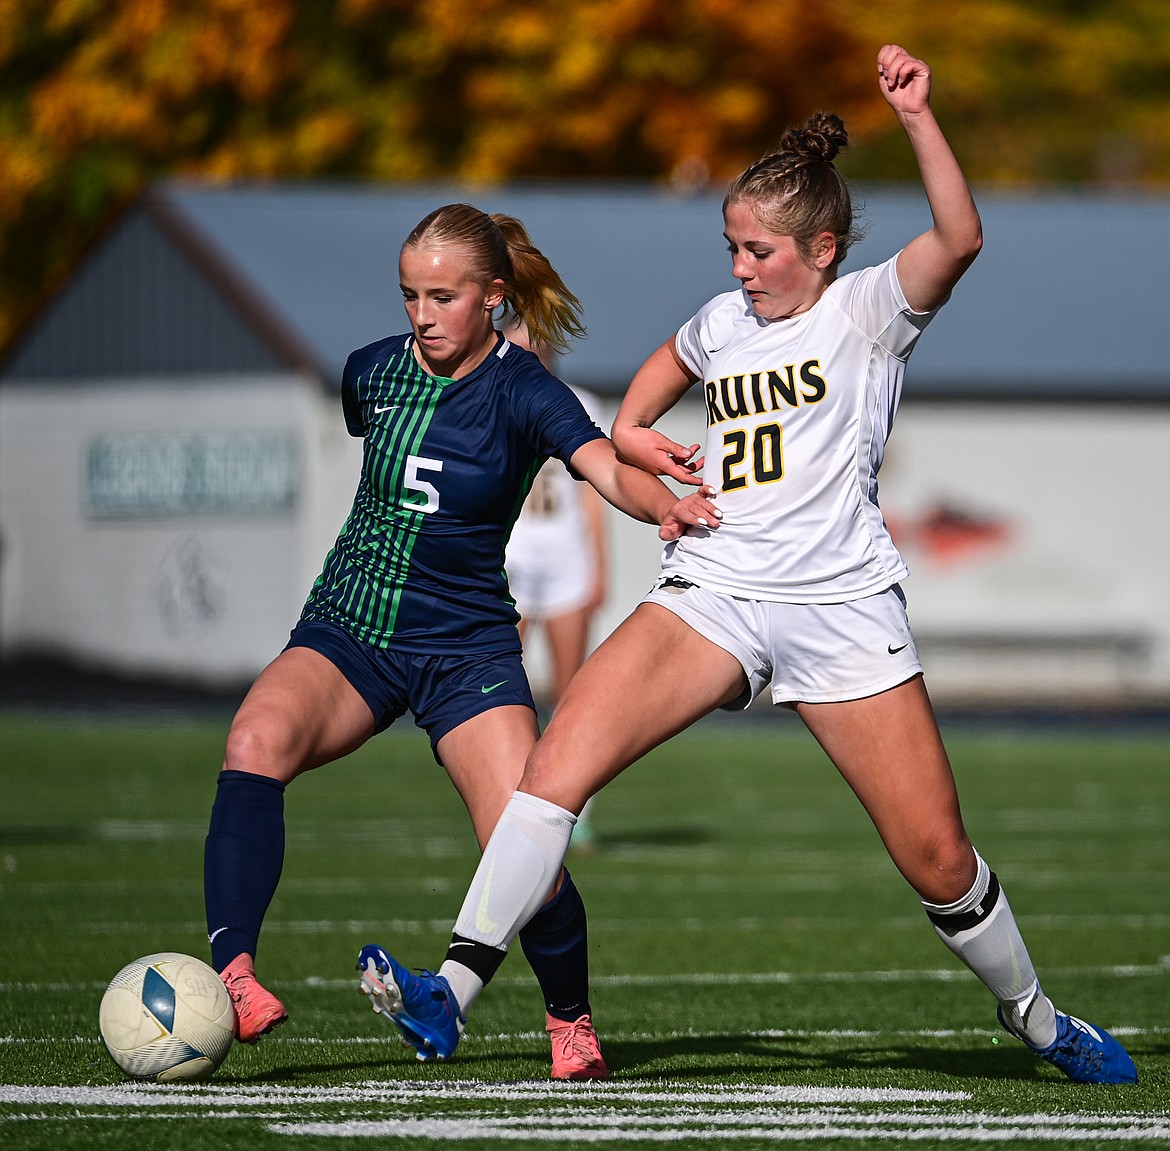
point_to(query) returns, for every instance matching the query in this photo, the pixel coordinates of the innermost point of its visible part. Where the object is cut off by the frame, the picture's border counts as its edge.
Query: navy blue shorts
(442, 691)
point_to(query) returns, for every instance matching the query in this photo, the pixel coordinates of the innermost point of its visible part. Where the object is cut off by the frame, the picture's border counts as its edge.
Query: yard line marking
(441, 926)
(973, 1128)
(698, 978)
(420, 887)
(147, 1095)
(667, 1112)
(472, 1038)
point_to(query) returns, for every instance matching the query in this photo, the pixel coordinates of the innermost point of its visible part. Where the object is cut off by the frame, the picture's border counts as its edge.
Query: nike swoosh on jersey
(485, 689)
(894, 650)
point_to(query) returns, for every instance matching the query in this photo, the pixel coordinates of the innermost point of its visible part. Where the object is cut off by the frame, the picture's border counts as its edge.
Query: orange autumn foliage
(100, 97)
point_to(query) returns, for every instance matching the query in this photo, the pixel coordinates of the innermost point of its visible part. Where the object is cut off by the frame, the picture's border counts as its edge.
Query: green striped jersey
(419, 563)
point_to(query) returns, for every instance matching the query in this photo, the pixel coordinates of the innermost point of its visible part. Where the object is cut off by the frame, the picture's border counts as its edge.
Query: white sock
(987, 939)
(517, 871)
(463, 982)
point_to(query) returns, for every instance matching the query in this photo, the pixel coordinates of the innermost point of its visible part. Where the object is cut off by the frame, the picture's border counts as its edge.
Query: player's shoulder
(379, 352)
(523, 374)
(717, 323)
(729, 306)
(518, 363)
(870, 278)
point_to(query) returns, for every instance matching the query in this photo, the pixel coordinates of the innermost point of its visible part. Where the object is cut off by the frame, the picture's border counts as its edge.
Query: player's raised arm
(657, 386)
(931, 264)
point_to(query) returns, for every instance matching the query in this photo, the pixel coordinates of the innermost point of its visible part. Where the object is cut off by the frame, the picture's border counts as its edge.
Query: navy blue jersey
(419, 563)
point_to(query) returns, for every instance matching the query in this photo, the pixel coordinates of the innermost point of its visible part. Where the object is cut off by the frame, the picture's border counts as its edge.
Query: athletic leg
(624, 701)
(300, 712)
(485, 757)
(568, 638)
(629, 696)
(889, 750)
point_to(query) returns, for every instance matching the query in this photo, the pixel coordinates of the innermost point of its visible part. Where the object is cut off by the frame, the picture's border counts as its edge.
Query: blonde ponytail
(499, 248)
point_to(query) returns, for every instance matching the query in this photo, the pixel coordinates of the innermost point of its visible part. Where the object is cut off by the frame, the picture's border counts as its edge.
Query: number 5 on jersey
(424, 496)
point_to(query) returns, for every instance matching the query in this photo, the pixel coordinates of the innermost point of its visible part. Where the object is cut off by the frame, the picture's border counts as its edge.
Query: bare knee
(539, 775)
(260, 748)
(945, 871)
(548, 775)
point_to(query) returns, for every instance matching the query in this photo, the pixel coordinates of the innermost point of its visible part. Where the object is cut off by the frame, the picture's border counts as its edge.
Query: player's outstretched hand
(903, 79)
(659, 455)
(691, 513)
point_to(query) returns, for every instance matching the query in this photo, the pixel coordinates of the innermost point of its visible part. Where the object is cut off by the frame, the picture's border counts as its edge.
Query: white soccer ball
(167, 1017)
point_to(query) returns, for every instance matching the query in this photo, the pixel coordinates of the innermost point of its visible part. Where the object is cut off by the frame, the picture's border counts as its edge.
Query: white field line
(799, 874)
(390, 1038)
(767, 924)
(959, 1127)
(689, 979)
(375, 1092)
(597, 1113)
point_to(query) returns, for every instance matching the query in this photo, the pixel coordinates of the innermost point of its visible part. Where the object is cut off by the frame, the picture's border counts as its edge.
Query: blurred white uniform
(551, 561)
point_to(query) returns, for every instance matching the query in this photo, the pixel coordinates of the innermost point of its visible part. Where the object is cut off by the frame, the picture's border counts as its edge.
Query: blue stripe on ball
(159, 997)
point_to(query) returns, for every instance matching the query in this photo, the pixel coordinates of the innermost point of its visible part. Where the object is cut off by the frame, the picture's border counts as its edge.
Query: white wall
(1065, 583)
(149, 570)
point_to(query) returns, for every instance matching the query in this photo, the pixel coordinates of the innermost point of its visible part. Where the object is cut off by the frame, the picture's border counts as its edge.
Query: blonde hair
(499, 248)
(796, 191)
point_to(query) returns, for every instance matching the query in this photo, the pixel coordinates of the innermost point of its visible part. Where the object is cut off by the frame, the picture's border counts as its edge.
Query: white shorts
(551, 586)
(808, 652)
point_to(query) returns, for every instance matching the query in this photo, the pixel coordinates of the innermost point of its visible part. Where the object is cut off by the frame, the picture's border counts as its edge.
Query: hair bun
(821, 137)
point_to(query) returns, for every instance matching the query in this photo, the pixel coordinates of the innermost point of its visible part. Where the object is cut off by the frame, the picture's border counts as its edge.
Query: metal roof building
(1066, 299)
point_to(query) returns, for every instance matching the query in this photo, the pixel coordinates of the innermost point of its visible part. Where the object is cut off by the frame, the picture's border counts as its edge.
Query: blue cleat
(1085, 1053)
(423, 1006)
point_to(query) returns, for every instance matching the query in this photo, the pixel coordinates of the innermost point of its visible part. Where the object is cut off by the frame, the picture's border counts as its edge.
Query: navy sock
(556, 945)
(242, 860)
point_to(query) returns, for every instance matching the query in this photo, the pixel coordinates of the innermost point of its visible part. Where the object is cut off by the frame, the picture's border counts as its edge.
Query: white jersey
(798, 413)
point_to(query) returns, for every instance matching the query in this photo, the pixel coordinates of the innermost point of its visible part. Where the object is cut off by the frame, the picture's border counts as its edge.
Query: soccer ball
(167, 1017)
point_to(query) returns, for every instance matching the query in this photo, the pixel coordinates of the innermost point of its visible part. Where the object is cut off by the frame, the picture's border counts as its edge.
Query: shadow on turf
(312, 1071)
(680, 835)
(702, 1058)
(737, 1054)
(42, 834)
(489, 1068)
